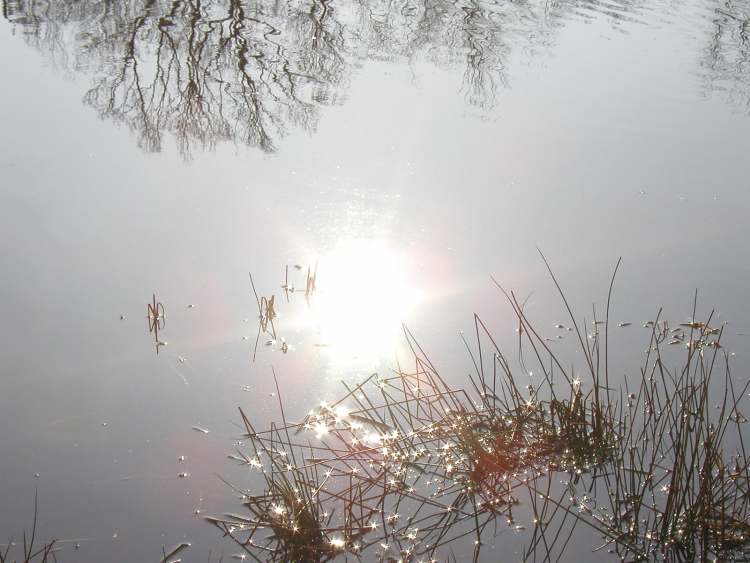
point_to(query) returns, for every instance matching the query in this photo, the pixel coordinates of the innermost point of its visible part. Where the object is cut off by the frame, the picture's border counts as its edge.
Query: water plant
(31, 552)
(405, 466)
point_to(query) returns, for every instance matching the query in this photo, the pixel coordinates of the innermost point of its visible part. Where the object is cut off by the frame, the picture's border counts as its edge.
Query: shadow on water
(245, 73)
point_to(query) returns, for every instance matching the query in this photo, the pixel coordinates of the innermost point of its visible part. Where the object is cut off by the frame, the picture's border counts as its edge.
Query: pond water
(408, 151)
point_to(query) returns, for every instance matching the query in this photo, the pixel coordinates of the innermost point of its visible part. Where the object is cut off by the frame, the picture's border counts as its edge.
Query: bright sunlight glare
(363, 295)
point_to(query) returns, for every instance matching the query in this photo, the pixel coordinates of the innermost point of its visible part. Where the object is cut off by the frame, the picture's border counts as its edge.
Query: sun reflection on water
(364, 291)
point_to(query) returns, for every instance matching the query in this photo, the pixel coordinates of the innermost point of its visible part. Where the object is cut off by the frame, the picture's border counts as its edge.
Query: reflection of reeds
(310, 284)
(674, 492)
(266, 315)
(157, 319)
(401, 466)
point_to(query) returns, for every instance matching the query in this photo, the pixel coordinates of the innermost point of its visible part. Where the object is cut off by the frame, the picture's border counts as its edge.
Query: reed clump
(678, 481)
(407, 467)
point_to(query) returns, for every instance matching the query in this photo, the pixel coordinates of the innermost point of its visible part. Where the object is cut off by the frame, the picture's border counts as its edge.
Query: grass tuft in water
(31, 552)
(407, 467)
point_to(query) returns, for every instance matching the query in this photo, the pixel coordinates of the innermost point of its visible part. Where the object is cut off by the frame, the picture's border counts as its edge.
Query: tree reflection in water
(228, 70)
(726, 57)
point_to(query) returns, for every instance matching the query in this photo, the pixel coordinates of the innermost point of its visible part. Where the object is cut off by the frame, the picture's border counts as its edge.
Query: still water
(407, 150)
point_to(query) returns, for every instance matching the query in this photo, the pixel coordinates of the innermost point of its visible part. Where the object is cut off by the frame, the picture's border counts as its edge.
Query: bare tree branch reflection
(207, 71)
(213, 71)
(726, 58)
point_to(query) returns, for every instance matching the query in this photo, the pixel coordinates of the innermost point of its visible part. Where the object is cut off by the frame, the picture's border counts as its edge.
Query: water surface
(411, 150)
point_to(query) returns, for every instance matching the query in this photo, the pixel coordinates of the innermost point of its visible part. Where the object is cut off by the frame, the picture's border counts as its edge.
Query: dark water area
(408, 151)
